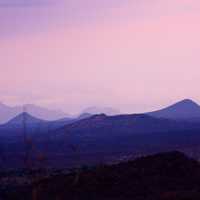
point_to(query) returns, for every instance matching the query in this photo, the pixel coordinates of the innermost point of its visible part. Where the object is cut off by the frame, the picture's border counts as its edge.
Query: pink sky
(135, 55)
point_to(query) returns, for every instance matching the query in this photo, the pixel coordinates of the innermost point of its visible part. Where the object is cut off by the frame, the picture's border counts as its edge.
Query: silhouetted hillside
(165, 176)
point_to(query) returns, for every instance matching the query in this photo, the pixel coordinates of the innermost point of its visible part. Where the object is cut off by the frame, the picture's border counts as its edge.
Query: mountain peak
(188, 102)
(185, 109)
(24, 117)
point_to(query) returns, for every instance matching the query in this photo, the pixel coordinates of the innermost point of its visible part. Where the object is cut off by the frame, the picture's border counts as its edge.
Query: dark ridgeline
(164, 176)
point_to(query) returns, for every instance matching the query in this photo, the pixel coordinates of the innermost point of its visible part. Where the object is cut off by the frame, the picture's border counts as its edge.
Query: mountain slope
(34, 125)
(7, 113)
(22, 122)
(113, 135)
(24, 118)
(107, 126)
(183, 110)
(45, 113)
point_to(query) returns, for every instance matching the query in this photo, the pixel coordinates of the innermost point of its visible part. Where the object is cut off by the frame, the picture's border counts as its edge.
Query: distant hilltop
(186, 109)
(8, 112)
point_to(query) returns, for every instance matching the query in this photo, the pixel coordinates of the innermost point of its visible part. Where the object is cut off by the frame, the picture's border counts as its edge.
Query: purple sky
(132, 55)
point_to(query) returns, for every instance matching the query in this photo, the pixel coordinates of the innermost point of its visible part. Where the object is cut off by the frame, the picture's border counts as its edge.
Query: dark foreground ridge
(164, 176)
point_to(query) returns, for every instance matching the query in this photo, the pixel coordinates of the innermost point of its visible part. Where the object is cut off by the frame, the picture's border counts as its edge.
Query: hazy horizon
(134, 56)
(97, 109)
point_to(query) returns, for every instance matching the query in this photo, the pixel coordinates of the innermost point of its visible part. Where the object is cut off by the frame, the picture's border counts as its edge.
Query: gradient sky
(134, 55)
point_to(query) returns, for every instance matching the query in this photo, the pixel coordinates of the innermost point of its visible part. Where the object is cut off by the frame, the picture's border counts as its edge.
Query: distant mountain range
(25, 122)
(100, 136)
(104, 135)
(35, 126)
(164, 120)
(8, 112)
(101, 124)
